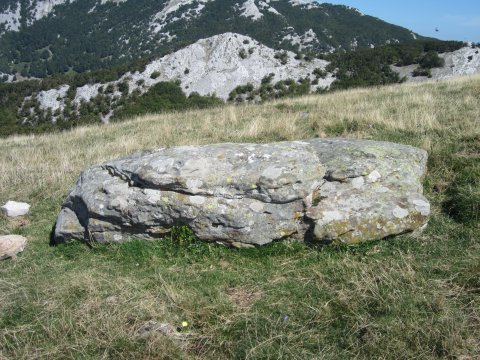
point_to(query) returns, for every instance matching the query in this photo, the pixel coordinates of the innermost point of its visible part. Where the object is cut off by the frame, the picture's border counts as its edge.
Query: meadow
(413, 296)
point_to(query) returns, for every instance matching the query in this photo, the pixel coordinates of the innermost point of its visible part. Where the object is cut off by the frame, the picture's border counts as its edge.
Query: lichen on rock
(346, 191)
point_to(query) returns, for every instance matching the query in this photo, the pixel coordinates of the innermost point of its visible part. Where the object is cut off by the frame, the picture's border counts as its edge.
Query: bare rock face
(372, 190)
(252, 194)
(11, 245)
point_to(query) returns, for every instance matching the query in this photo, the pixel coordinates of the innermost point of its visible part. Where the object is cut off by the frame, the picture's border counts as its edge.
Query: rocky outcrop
(338, 190)
(210, 66)
(464, 61)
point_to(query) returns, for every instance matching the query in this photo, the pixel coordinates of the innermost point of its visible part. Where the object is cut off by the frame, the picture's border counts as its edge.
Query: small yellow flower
(184, 324)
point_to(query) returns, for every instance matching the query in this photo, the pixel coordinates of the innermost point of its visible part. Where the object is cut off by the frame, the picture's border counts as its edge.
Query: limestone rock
(15, 209)
(252, 194)
(372, 190)
(11, 245)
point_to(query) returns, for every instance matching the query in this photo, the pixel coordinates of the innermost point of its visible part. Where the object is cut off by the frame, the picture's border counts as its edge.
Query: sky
(454, 19)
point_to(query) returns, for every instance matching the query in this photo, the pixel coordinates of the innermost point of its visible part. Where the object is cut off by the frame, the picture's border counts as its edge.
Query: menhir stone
(339, 190)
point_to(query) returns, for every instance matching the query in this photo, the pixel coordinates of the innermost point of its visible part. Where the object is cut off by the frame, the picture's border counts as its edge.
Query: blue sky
(455, 19)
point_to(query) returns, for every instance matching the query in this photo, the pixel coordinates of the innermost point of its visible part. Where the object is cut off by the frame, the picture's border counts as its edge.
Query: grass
(408, 297)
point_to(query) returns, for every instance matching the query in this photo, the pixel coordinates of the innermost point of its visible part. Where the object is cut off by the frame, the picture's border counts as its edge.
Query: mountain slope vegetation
(230, 65)
(55, 36)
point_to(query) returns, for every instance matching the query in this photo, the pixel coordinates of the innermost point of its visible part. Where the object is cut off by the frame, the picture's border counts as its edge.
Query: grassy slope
(409, 297)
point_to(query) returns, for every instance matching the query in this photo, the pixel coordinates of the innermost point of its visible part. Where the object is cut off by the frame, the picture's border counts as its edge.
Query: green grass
(414, 296)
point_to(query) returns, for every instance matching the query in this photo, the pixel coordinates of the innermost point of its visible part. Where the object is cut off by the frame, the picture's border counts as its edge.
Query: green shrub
(123, 88)
(242, 53)
(282, 56)
(319, 73)
(267, 79)
(431, 60)
(162, 97)
(422, 72)
(463, 202)
(154, 74)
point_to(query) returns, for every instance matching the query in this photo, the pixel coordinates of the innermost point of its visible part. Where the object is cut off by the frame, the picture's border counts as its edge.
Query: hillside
(226, 67)
(46, 37)
(415, 296)
(215, 65)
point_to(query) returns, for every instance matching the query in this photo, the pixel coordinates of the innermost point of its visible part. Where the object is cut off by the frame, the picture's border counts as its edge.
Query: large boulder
(339, 190)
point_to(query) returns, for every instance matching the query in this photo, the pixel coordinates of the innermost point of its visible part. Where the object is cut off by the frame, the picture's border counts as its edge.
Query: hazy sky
(455, 19)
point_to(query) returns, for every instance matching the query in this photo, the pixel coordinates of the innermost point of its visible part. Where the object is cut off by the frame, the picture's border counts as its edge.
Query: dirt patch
(469, 154)
(243, 297)
(18, 222)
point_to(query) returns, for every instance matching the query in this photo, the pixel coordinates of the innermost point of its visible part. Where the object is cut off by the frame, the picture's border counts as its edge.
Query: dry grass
(54, 161)
(405, 298)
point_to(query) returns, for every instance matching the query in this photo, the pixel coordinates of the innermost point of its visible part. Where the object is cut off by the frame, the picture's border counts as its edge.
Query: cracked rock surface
(252, 194)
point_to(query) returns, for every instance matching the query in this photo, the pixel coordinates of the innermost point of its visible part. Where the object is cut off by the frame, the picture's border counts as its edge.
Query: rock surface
(11, 245)
(15, 209)
(252, 194)
(464, 61)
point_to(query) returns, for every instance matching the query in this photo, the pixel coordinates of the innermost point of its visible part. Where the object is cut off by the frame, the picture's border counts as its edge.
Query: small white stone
(374, 176)
(329, 216)
(197, 200)
(256, 206)
(422, 207)
(194, 184)
(272, 172)
(117, 237)
(400, 213)
(154, 196)
(14, 209)
(358, 182)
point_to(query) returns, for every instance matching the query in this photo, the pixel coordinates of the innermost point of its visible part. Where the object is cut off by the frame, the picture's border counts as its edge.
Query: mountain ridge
(55, 36)
(210, 67)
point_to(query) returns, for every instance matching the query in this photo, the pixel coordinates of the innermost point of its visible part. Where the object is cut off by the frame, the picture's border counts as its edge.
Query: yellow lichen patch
(297, 215)
(181, 197)
(373, 228)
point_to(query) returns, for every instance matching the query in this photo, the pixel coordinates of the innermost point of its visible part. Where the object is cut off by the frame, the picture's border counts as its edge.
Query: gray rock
(152, 327)
(15, 209)
(372, 190)
(252, 194)
(11, 245)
